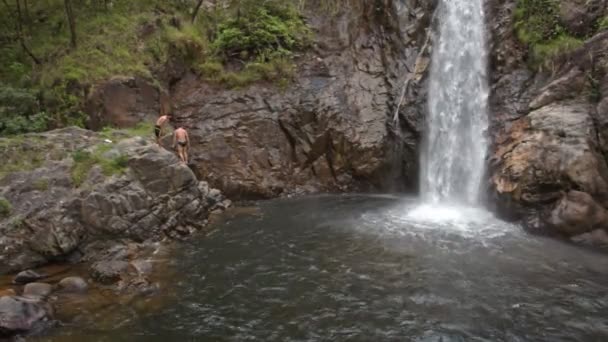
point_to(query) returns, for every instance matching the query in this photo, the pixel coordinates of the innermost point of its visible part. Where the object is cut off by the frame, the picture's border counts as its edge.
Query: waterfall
(453, 158)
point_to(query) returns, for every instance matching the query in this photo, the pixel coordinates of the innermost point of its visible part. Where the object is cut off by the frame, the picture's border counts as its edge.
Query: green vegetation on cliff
(537, 23)
(551, 28)
(53, 52)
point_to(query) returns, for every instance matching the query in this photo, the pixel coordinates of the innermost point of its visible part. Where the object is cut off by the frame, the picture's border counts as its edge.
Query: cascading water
(455, 146)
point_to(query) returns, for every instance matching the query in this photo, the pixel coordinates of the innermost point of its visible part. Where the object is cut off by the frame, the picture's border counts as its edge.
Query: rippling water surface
(373, 268)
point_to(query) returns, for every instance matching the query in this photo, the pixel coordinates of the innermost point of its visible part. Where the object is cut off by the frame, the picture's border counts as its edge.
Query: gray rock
(19, 315)
(155, 197)
(28, 276)
(73, 285)
(123, 102)
(143, 267)
(37, 290)
(109, 272)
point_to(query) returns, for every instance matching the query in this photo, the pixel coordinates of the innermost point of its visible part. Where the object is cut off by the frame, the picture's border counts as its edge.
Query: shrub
(210, 69)
(20, 111)
(603, 23)
(114, 166)
(562, 44)
(265, 30)
(5, 208)
(85, 160)
(537, 23)
(41, 184)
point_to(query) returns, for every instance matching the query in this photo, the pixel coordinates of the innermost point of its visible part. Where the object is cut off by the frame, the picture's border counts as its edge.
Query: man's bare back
(159, 127)
(162, 120)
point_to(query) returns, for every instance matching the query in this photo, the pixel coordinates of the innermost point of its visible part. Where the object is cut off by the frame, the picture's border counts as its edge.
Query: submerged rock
(73, 285)
(28, 276)
(109, 272)
(37, 290)
(20, 315)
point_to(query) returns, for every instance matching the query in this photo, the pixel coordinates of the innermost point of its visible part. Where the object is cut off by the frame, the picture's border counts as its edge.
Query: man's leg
(186, 154)
(180, 152)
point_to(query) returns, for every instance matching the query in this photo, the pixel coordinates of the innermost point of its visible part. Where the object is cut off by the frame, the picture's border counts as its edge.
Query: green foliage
(5, 208)
(243, 42)
(537, 21)
(537, 24)
(85, 160)
(561, 44)
(20, 111)
(19, 155)
(13, 224)
(603, 23)
(41, 184)
(188, 43)
(279, 70)
(83, 163)
(262, 30)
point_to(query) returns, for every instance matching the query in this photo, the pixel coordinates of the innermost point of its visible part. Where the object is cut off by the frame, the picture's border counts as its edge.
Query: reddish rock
(124, 102)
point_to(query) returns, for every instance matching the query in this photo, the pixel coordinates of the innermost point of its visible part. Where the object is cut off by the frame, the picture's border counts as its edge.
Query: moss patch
(603, 23)
(20, 153)
(84, 161)
(5, 208)
(41, 184)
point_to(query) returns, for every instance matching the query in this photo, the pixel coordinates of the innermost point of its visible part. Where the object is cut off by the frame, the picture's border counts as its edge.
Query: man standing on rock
(182, 142)
(159, 127)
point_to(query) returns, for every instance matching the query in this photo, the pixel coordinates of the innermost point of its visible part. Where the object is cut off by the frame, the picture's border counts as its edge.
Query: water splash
(455, 147)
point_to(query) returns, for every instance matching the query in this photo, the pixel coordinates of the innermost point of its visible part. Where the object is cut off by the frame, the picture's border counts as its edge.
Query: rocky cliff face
(331, 130)
(56, 216)
(548, 160)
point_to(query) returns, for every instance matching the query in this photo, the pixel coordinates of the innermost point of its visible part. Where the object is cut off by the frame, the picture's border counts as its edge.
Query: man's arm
(188, 139)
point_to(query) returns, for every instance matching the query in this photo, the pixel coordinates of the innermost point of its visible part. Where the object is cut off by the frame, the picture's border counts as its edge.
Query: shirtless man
(160, 127)
(182, 142)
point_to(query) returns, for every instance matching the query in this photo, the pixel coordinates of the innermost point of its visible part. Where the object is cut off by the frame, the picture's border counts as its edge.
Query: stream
(367, 268)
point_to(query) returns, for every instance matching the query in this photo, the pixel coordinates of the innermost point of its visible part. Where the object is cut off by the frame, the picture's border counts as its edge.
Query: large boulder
(547, 153)
(123, 102)
(154, 197)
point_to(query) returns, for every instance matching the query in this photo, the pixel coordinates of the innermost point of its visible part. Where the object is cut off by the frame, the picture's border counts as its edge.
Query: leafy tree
(20, 111)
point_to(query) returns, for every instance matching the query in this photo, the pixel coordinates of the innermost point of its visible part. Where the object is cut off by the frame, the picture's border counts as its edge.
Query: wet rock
(577, 213)
(28, 276)
(37, 290)
(143, 267)
(20, 315)
(109, 272)
(7, 292)
(73, 285)
(598, 237)
(138, 285)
